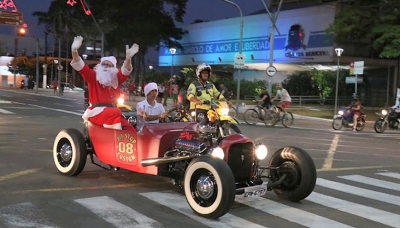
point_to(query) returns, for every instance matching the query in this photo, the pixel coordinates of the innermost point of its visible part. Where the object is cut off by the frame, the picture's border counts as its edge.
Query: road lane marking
(389, 174)
(5, 111)
(24, 215)
(18, 174)
(179, 203)
(331, 153)
(370, 213)
(379, 196)
(53, 109)
(44, 190)
(289, 213)
(116, 213)
(357, 168)
(372, 181)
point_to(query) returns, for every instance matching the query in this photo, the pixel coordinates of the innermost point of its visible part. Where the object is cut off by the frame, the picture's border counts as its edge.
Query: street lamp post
(240, 52)
(339, 52)
(173, 51)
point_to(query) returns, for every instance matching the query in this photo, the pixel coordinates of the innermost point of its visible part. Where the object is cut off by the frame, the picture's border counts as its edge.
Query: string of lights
(8, 5)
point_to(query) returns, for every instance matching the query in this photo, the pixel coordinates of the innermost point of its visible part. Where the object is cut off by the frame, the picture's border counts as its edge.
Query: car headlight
(384, 112)
(261, 151)
(340, 112)
(121, 101)
(224, 111)
(217, 152)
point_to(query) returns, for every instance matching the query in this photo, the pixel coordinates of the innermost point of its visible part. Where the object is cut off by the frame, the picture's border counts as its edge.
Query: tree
(373, 23)
(123, 22)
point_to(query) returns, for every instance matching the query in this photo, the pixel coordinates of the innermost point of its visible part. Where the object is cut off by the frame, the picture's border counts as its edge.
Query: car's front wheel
(209, 186)
(69, 152)
(297, 169)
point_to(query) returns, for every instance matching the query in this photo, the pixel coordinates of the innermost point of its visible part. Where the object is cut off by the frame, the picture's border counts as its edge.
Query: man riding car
(104, 86)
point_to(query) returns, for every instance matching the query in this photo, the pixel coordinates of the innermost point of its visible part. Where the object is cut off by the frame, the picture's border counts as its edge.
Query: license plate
(255, 191)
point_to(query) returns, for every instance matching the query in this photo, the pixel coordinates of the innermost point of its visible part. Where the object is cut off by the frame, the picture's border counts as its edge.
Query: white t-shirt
(161, 89)
(281, 92)
(157, 109)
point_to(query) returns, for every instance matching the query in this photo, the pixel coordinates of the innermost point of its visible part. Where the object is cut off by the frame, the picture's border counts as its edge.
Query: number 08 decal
(126, 146)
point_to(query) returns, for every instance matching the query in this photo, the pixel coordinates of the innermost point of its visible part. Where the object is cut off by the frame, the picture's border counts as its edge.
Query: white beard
(107, 76)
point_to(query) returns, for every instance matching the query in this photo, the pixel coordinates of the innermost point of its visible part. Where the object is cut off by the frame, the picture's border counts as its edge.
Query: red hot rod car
(210, 170)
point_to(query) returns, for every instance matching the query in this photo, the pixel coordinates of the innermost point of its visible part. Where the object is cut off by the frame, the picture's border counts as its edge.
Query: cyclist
(284, 96)
(265, 98)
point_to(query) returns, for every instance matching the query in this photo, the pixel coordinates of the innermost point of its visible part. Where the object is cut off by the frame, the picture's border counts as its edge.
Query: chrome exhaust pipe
(157, 161)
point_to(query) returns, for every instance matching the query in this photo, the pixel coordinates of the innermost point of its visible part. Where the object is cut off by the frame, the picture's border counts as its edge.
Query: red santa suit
(102, 109)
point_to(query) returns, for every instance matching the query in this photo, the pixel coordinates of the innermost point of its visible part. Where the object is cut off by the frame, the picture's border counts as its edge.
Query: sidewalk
(299, 121)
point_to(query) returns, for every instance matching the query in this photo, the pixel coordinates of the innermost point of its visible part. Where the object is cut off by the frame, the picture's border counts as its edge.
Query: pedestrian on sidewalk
(55, 87)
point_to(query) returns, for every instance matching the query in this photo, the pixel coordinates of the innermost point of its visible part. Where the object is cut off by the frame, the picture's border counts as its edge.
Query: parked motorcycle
(345, 119)
(388, 118)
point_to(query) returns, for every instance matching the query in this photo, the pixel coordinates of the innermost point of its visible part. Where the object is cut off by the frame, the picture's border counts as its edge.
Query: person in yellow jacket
(201, 92)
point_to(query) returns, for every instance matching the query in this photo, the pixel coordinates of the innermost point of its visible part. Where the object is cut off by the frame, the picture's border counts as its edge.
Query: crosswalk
(350, 195)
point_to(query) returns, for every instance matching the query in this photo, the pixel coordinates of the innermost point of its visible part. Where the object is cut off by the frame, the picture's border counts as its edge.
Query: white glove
(77, 43)
(130, 52)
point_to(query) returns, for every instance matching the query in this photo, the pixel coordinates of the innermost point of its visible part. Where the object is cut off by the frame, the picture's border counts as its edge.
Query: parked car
(68, 86)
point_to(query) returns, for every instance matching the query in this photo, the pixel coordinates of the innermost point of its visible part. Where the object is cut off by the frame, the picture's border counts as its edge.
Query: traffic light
(21, 31)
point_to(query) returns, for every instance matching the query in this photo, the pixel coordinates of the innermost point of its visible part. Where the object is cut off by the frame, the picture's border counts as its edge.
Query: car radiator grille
(240, 159)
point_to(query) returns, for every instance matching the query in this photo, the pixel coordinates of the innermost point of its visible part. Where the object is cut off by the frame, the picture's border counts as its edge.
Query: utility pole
(273, 17)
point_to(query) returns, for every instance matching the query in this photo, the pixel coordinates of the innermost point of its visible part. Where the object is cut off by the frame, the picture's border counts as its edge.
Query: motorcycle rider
(355, 110)
(202, 90)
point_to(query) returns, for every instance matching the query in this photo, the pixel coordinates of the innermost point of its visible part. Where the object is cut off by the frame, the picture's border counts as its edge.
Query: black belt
(102, 105)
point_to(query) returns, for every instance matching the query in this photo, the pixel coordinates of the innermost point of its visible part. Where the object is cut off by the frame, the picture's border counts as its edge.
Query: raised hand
(77, 43)
(130, 52)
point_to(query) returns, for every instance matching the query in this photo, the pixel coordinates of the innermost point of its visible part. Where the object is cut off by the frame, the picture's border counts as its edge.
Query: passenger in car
(149, 110)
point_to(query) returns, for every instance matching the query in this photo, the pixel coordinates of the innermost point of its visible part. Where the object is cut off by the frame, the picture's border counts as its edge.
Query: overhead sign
(271, 71)
(352, 80)
(11, 18)
(357, 67)
(239, 61)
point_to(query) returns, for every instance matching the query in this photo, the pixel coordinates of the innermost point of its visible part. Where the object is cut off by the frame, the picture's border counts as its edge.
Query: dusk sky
(206, 10)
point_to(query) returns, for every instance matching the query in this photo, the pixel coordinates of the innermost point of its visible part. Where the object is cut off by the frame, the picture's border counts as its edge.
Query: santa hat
(149, 87)
(112, 59)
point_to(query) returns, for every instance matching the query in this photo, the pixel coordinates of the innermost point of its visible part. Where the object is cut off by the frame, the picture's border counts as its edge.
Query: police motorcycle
(218, 116)
(345, 119)
(388, 117)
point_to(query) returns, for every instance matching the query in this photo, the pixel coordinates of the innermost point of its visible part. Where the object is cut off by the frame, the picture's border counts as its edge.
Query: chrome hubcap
(66, 152)
(205, 187)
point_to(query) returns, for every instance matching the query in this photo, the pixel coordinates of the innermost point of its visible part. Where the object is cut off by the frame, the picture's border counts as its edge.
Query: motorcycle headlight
(121, 101)
(217, 152)
(261, 151)
(340, 112)
(224, 111)
(384, 112)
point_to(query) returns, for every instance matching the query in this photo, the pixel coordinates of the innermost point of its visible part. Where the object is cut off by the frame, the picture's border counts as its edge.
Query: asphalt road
(358, 181)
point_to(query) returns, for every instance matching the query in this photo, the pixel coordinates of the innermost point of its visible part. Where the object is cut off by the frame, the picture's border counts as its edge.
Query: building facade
(300, 44)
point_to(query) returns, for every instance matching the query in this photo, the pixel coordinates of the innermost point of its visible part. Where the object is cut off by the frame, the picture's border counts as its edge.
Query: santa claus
(104, 86)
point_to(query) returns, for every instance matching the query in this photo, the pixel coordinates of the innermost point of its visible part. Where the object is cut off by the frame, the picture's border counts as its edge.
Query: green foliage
(375, 24)
(300, 84)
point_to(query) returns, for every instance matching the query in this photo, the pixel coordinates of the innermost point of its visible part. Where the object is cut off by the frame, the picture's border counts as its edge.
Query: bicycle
(253, 115)
(286, 118)
(271, 118)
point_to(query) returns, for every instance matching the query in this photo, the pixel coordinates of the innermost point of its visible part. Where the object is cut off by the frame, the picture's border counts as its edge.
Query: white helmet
(202, 67)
